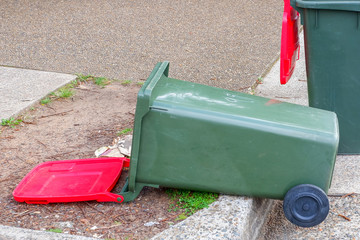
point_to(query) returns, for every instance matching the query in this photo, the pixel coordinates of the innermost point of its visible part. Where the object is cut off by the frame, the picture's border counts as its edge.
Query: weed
(181, 217)
(74, 83)
(55, 230)
(83, 78)
(32, 109)
(45, 101)
(101, 81)
(125, 82)
(190, 201)
(124, 131)
(11, 122)
(64, 92)
(140, 83)
(260, 80)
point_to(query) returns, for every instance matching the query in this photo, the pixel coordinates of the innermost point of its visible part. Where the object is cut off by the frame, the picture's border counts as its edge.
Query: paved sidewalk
(21, 88)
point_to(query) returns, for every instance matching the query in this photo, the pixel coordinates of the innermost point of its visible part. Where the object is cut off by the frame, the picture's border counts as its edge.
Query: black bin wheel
(306, 205)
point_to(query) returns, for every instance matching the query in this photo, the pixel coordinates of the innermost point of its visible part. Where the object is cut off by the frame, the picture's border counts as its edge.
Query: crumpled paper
(121, 147)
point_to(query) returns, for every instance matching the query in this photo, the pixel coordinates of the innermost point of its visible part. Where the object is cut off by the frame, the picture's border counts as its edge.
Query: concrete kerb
(21, 88)
(231, 217)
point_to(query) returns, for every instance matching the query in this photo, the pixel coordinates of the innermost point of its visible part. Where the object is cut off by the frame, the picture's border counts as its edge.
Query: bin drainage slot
(158, 109)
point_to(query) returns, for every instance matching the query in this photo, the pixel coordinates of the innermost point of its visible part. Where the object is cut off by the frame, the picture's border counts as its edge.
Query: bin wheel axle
(306, 205)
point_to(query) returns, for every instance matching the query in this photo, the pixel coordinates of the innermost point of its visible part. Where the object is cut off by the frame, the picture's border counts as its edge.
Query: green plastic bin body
(197, 137)
(332, 49)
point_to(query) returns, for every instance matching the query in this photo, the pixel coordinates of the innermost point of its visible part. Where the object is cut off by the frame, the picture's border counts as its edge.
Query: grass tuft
(101, 81)
(64, 92)
(11, 122)
(125, 82)
(45, 101)
(55, 230)
(190, 201)
(124, 131)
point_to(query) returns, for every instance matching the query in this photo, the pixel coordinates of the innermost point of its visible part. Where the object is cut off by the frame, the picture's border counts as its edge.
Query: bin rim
(349, 5)
(142, 108)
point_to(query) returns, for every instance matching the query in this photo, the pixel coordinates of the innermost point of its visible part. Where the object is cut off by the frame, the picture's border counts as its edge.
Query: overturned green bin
(197, 137)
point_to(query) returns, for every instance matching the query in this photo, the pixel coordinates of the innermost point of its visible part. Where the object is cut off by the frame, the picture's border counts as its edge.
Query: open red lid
(290, 47)
(72, 181)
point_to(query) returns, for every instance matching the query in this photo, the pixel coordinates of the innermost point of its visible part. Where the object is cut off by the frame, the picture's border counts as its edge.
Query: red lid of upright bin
(289, 42)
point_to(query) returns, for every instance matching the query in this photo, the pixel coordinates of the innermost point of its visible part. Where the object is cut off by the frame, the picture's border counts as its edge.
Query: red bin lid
(290, 47)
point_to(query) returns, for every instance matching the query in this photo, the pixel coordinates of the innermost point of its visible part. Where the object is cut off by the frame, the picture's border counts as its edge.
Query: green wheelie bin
(332, 49)
(197, 137)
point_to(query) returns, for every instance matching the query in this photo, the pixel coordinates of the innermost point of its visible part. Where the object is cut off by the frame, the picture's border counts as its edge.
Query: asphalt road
(226, 43)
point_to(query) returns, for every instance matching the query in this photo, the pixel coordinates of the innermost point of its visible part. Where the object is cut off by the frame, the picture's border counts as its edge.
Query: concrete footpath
(21, 88)
(231, 217)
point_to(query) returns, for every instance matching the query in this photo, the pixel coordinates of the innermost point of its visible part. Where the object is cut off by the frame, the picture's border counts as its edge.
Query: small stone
(150, 224)
(65, 224)
(84, 221)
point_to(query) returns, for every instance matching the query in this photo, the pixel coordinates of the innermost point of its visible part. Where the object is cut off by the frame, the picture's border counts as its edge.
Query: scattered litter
(94, 228)
(346, 218)
(108, 152)
(347, 195)
(121, 147)
(150, 224)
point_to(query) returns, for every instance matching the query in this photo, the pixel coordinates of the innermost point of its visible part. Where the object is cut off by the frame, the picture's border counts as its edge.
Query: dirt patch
(71, 129)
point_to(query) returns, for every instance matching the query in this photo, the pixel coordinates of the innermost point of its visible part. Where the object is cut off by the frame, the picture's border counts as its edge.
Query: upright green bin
(332, 49)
